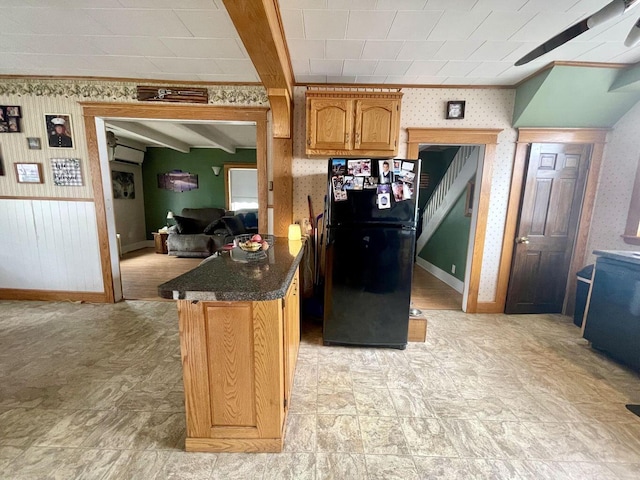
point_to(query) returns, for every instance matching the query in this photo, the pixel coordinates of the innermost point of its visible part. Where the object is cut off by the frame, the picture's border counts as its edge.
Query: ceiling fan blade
(608, 12)
(634, 35)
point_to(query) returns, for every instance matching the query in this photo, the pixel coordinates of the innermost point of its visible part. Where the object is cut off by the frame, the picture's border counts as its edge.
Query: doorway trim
(527, 136)
(465, 136)
(93, 111)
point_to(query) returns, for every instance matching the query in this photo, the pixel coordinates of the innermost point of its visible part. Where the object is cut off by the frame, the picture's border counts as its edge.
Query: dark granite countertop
(621, 255)
(232, 277)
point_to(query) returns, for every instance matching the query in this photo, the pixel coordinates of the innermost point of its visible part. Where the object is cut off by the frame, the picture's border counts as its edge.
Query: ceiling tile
(392, 67)
(371, 79)
(629, 56)
(204, 47)
(454, 50)
(349, 5)
(457, 69)
(325, 67)
(317, 4)
(340, 79)
(301, 67)
(457, 25)
(419, 50)
(120, 62)
(299, 49)
(614, 31)
(458, 5)
(70, 62)
(425, 68)
(228, 78)
(402, 79)
(544, 26)
(53, 20)
(500, 25)
(311, 79)
(186, 65)
(400, 4)
(69, 45)
(344, 49)
(365, 24)
(554, 5)
(293, 24)
(490, 69)
(323, 25)
(142, 22)
(169, 4)
(236, 66)
(135, 46)
(9, 61)
(587, 7)
(503, 5)
(493, 51)
(381, 49)
(413, 25)
(429, 80)
(359, 67)
(207, 23)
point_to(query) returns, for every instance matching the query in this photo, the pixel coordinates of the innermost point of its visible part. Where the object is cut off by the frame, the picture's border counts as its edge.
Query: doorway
(552, 198)
(94, 117)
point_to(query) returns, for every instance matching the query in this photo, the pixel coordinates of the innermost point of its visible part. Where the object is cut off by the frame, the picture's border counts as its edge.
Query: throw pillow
(234, 225)
(187, 225)
(213, 226)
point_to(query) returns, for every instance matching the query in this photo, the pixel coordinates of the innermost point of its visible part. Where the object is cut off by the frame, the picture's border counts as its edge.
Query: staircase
(462, 169)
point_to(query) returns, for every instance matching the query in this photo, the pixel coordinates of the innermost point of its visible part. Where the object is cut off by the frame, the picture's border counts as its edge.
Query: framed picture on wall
(59, 130)
(10, 119)
(33, 143)
(29, 172)
(66, 172)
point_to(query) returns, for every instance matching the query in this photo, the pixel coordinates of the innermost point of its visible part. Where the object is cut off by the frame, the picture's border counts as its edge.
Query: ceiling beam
(259, 25)
(212, 137)
(147, 134)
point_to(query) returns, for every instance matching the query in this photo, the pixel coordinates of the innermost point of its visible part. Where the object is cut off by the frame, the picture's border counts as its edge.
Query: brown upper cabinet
(352, 124)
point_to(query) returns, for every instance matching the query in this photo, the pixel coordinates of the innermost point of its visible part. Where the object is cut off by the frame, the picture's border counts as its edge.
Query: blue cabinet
(613, 320)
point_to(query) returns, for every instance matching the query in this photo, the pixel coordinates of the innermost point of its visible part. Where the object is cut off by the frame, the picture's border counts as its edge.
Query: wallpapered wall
(425, 108)
(615, 186)
(62, 219)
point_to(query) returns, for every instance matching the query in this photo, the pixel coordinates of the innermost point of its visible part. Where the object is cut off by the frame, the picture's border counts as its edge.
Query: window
(241, 184)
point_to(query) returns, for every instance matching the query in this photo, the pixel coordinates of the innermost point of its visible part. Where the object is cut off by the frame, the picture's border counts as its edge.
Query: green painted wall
(573, 97)
(448, 245)
(210, 191)
(435, 163)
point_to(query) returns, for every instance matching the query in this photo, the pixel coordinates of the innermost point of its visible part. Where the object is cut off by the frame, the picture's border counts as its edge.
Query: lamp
(169, 215)
(216, 170)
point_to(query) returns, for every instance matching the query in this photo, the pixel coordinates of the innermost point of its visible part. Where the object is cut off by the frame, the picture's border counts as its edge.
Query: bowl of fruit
(254, 243)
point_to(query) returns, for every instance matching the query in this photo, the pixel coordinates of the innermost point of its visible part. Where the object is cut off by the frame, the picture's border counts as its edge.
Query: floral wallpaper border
(124, 91)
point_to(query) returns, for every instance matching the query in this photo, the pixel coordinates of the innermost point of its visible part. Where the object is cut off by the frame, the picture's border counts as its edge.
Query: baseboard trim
(137, 246)
(489, 307)
(440, 274)
(52, 295)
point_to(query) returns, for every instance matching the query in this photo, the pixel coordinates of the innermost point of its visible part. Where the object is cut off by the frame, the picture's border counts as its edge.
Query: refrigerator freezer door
(361, 206)
(368, 286)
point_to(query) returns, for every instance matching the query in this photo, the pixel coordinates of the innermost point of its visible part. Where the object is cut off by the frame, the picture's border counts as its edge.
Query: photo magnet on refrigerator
(338, 166)
(338, 189)
(385, 173)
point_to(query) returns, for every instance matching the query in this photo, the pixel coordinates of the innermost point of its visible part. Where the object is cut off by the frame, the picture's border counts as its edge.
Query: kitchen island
(239, 321)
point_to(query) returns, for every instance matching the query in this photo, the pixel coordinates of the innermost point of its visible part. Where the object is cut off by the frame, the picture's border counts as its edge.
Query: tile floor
(94, 392)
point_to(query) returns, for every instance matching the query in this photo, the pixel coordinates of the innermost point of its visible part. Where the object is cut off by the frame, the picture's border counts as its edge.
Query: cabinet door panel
(330, 122)
(376, 124)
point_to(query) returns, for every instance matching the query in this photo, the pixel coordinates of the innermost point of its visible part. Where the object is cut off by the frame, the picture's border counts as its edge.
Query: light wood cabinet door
(291, 329)
(330, 124)
(377, 124)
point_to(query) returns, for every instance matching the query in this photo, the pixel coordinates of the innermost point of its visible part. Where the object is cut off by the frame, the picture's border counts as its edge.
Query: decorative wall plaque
(173, 94)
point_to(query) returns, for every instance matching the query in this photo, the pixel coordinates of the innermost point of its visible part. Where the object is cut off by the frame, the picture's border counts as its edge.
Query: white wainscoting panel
(50, 245)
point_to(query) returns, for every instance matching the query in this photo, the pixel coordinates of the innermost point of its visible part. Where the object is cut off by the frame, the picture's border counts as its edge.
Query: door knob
(524, 240)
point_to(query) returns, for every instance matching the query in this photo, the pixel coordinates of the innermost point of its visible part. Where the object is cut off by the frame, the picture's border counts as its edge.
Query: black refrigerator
(370, 218)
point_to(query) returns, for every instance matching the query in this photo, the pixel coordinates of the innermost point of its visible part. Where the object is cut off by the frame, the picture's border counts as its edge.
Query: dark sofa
(199, 232)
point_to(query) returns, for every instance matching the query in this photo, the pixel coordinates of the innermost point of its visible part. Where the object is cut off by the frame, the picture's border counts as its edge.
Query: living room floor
(95, 392)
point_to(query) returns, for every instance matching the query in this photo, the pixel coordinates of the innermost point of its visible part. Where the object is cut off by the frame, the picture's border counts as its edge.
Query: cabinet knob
(346, 137)
(358, 137)
(309, 141)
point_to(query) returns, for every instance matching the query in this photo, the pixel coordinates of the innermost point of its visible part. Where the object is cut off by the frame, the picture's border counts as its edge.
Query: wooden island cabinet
(238, 356)
(352, 124)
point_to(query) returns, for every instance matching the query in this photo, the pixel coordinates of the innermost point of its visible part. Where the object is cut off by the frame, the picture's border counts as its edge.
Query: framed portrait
(66, 172)
(33, 143)
(455, 110)
(59, 130)
(28, 172)
(10, 119)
